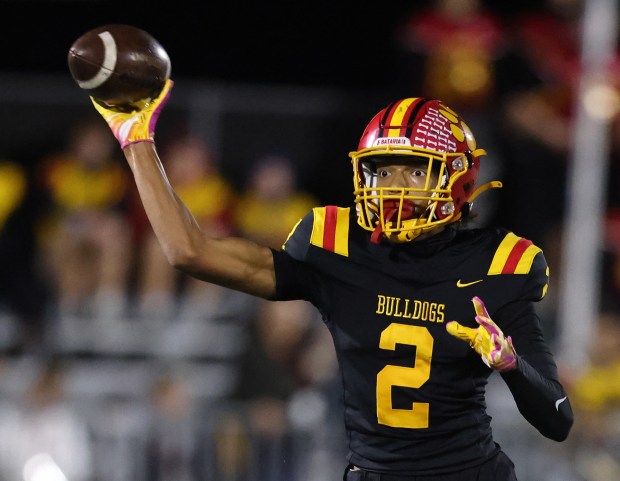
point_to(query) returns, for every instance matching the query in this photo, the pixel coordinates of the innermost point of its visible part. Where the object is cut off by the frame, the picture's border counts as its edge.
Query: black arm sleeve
(294, 279)
(535, 385)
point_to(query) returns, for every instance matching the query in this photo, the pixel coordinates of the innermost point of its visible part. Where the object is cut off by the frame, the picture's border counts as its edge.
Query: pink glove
(138, 125)
(488, 340)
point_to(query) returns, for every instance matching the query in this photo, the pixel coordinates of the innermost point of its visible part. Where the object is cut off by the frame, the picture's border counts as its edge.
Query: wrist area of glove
(128, 128)
(504, 357)
(124, 144)
(505, 365)
(515, 370)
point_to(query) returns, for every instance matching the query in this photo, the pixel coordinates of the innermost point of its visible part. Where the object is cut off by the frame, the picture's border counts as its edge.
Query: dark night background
(311, 43)
(333, 46)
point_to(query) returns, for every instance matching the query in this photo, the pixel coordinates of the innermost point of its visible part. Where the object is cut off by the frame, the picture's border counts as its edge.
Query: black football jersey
(413, 394)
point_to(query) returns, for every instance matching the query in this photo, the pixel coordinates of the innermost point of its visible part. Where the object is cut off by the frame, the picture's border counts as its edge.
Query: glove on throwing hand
(138, 125)
(488, 340)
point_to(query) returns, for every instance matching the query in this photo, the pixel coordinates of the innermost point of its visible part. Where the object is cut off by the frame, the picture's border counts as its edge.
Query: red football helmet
(416, 129)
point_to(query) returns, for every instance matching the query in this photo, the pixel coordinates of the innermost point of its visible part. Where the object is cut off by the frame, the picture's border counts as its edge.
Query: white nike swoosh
(558, 402)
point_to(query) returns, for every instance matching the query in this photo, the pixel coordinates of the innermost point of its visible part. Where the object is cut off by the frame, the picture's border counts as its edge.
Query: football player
(421, 309)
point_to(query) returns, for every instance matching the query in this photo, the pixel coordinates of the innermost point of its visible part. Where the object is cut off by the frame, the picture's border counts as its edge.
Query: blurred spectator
(119, 423)
(610, 291)
(280, 334)
(450, 50)
(285, 365)
(541, 81)
(596, 399)
(87, 235)
(24, 292)
(272, 203)
(172, 440)
(44, 437)
(163, 291)
(447, 52)
(613, 193)
(595, 390)
(540, 84)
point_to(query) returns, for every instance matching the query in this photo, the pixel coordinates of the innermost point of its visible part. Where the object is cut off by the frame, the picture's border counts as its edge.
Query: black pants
(498, 468)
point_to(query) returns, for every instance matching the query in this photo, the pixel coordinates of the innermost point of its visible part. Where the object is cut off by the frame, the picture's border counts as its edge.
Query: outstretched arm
(232, 262)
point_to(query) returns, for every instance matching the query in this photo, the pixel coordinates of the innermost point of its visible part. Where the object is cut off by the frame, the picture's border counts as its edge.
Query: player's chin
(407, 208)
(413, 209)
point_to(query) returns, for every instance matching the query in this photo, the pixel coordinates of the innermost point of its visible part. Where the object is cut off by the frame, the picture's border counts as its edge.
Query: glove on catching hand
(488, 340)
(138, 125)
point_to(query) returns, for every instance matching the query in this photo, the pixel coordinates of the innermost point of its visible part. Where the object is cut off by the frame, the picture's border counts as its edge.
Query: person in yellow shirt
(163, 292)
(596, 391)
(596, 398)
(272, 203)
(86, 234)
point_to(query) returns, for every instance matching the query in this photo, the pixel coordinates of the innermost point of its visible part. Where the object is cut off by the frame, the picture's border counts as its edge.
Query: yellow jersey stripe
(502, 253)
(342, 232)
(330, 230)
(318, 227)
(527, 259)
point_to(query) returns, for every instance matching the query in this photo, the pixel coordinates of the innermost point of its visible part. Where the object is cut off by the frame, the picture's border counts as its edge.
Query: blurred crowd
(84, 280)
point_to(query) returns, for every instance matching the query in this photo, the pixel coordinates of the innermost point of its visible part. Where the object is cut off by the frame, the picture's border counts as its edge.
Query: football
(119, 65)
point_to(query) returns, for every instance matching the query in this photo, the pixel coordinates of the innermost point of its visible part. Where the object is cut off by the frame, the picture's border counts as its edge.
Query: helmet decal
(433, 132)
(391, 141)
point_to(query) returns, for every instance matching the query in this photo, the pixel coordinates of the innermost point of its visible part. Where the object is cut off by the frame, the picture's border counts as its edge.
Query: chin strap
(391, 209)
(376, 235)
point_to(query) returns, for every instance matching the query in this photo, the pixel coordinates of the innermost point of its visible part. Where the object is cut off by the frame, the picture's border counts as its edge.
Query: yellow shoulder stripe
(330, 230)
(515, 255)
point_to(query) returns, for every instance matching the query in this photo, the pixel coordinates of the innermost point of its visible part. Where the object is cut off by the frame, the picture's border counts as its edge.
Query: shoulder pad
(324, 227)
(517, 255)
(514, 255)
(330, 230)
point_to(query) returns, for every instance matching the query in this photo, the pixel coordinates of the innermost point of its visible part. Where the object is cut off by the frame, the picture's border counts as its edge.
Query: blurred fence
(315, 127)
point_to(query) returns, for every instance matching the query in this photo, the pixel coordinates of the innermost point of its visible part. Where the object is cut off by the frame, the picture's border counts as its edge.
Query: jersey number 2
(413, 377)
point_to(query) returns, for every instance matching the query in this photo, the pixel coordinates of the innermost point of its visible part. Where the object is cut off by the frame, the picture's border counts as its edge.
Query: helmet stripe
(384, 120)
(413, 114)
(397, 115)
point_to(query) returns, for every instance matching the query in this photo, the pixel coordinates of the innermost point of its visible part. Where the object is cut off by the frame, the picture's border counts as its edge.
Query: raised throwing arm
(232, 262)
